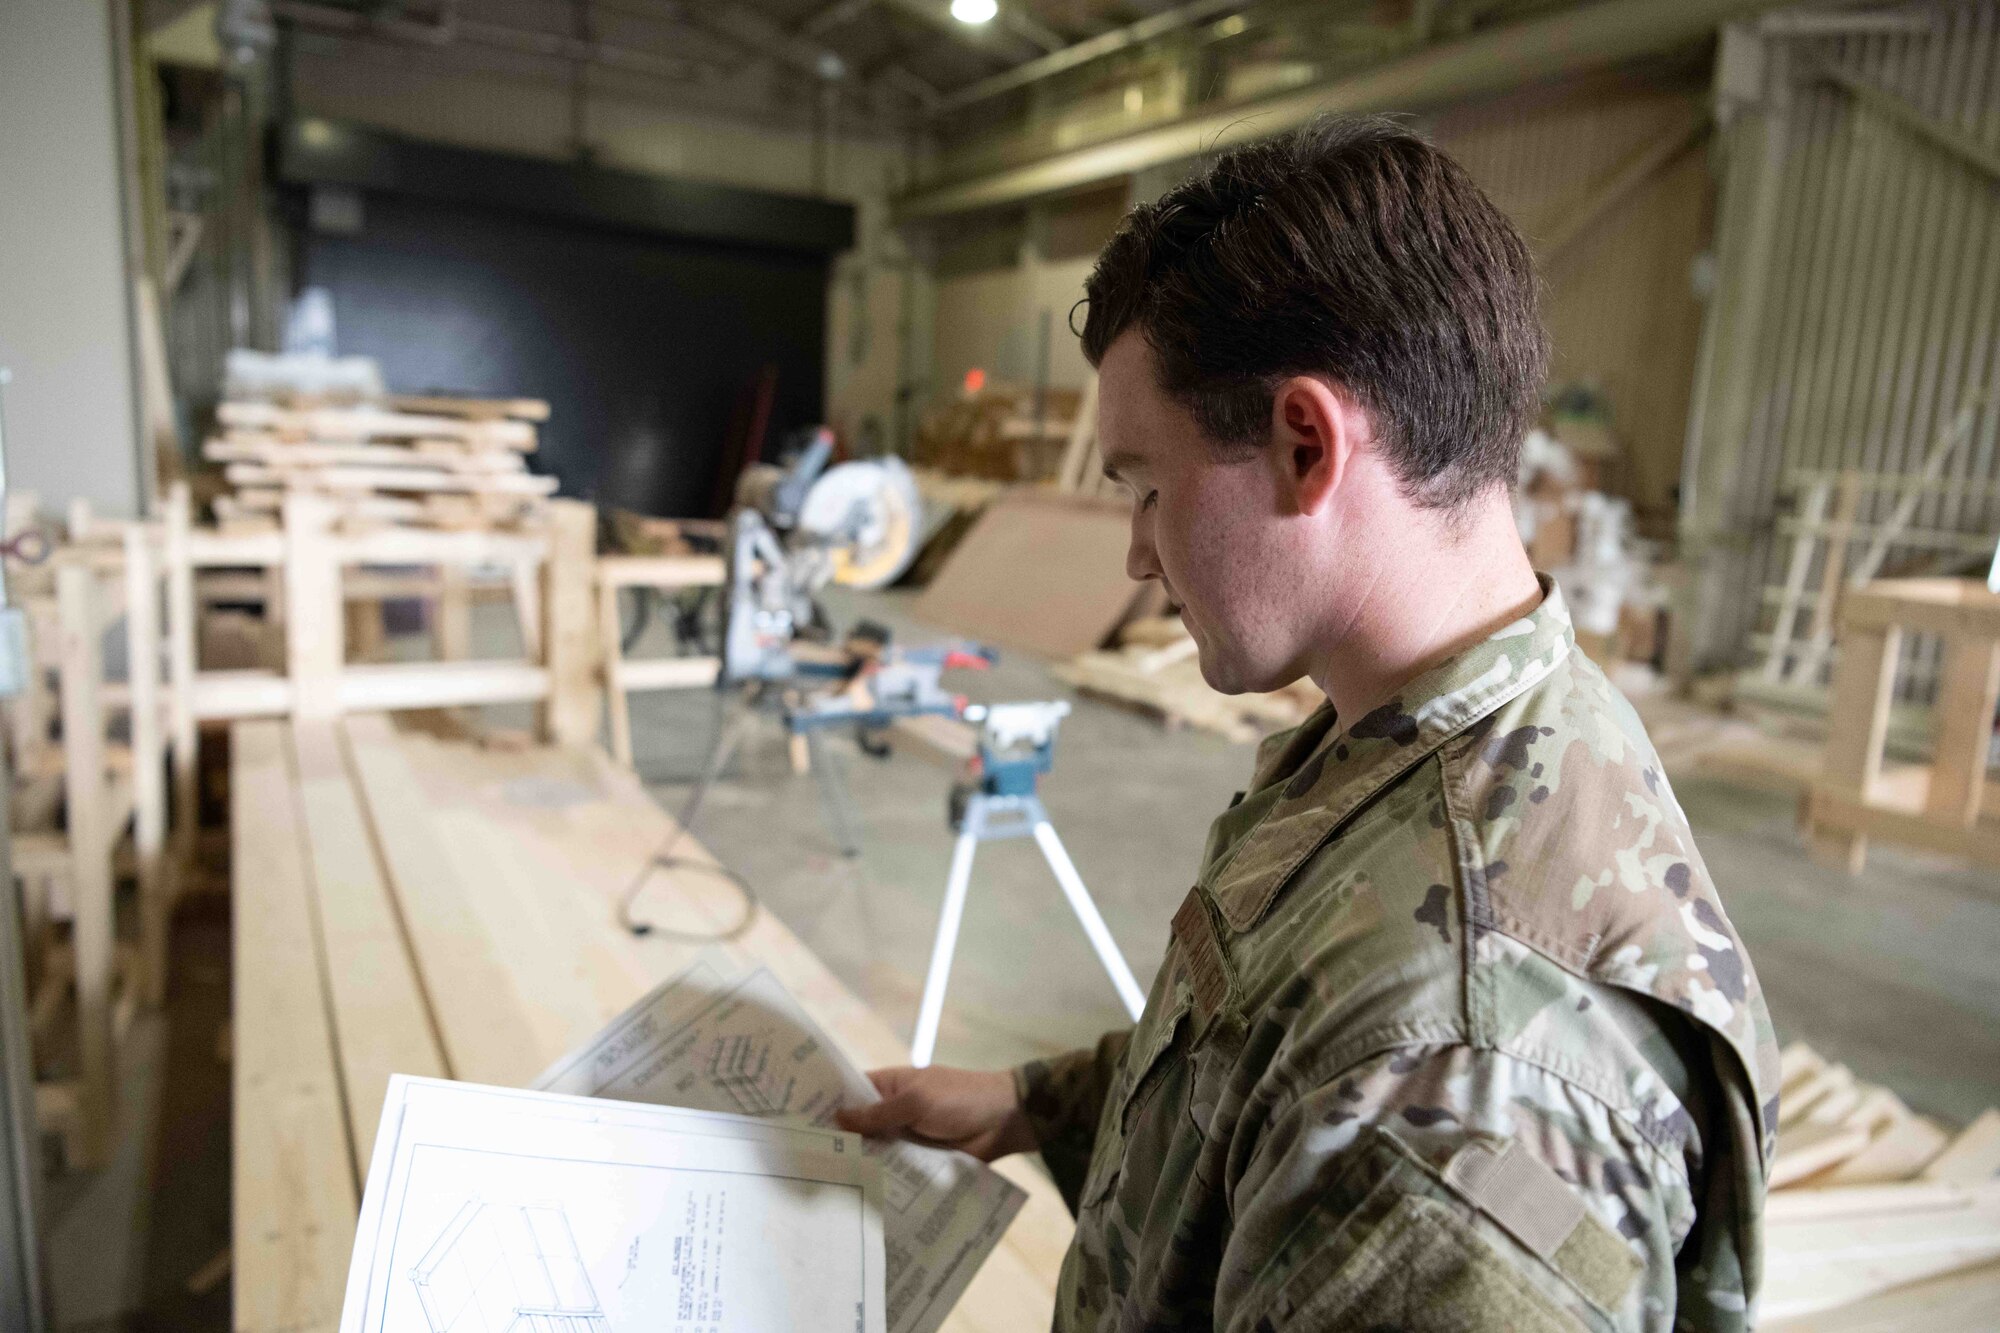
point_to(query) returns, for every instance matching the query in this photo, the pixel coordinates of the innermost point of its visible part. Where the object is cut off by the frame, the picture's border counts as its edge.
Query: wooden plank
(1966, 698)
(299, 456)
(660, 571)
(252, 692)
(90, 834)
(1038, 572)
(428, 480)
(185, 739)
(453, 612)
(366, 423)
(315, 637)
(667, 673)
(480, 1014)
(611, 630)
(1836, 816)
(571, 717)
(1951, 607)
(1822, 1263)
(1864, 682)
(294, 1192)
(1973, 1157)
(380, 1016)
(1813, 1147)
(477, 409)
(1080, 452)
(572, 829)
(1961, 1302)
(1833, 577)
(143, 647)
(1806, 538)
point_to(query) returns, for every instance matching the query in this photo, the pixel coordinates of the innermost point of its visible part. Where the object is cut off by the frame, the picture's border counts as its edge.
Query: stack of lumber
(454, 463)
(1875, 1212)
(405, 904)
(1154, 668)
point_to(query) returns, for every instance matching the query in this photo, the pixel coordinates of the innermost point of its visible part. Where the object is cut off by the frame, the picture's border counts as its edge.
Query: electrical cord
(662, 857)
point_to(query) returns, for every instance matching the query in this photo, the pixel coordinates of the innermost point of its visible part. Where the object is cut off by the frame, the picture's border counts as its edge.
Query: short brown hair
(1349, 249)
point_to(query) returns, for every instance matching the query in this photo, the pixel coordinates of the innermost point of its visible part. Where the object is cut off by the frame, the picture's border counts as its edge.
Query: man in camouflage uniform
(1452, 1032)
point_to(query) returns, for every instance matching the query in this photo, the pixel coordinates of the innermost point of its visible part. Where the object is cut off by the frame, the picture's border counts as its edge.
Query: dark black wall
(643, 345)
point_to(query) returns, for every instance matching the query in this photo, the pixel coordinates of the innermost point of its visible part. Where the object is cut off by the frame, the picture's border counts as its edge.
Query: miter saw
(796, 529)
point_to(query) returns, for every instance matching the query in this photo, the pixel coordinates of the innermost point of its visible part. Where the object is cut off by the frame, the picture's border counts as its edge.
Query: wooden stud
(149, 822)
(1786, 622)
(314, 648)
(90, 844)
(1833, 577)
(1863, 685)
(1967, 695)
(571, 716)
(181, 667)
(525, 577)
(453, 610)
(616, 706)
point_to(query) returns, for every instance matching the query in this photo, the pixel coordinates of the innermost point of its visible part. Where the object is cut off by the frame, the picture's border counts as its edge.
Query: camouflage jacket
(1451, 1034)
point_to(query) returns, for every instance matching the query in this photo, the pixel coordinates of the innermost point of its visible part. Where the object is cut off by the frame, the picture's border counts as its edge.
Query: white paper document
(494, 1210)
(704, 1041)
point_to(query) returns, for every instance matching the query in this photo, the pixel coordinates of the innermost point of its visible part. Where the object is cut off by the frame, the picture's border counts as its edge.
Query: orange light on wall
(975, 380)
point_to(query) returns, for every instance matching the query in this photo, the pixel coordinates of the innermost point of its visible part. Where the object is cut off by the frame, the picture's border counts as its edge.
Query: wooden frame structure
(1855, 798)
(552, 573)
(104, 787)
(666, 573)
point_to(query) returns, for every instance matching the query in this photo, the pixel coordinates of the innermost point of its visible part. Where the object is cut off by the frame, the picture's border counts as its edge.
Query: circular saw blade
(868, 513)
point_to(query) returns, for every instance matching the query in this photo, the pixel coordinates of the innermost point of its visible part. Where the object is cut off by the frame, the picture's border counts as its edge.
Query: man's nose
(1142, 562)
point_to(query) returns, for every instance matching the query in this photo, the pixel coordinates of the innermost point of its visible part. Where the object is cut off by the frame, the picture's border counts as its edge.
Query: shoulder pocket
(1426, 1269)
(1392, 1243)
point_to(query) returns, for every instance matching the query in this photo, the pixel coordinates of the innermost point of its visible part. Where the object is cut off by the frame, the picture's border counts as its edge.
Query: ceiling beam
(987, 38)
(1553, 45)
(1091, 48)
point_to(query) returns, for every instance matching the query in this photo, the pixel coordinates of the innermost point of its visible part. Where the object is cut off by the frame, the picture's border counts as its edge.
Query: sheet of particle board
(1039, 572)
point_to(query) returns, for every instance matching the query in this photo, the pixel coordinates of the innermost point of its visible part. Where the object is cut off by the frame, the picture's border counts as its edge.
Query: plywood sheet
(1040, 573)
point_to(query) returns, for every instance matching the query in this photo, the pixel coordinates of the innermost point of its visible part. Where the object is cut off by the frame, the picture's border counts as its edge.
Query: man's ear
(1315, 431)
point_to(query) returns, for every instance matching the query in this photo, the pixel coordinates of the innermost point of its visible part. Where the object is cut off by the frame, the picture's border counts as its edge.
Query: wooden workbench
(405, 904)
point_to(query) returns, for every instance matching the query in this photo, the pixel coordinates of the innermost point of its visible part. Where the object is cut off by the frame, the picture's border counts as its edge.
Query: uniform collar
(1329, 771)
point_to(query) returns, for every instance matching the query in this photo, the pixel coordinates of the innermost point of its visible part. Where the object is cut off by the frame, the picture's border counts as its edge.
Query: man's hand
(973, 1111)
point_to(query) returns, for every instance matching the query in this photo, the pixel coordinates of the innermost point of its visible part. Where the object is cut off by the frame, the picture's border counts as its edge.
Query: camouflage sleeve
(1448, 1188)
(1062, 1098)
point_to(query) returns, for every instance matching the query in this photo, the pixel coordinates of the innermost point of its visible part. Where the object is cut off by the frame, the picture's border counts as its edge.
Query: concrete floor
(1893, 973)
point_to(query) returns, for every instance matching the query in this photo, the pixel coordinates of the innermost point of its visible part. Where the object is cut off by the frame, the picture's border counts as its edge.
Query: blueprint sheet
(707, 1041)
(494, 1210)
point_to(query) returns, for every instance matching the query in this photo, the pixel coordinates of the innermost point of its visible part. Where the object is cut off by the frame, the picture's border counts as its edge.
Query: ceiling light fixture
(974, 11)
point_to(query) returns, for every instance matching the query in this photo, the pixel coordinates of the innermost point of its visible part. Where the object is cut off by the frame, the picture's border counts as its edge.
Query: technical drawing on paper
(507, 1268)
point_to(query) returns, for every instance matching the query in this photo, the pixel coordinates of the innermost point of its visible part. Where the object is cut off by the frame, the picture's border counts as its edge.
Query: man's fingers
(891, 1115)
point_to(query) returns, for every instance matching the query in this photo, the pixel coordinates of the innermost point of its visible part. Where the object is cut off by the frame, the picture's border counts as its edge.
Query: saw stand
(1016, 746)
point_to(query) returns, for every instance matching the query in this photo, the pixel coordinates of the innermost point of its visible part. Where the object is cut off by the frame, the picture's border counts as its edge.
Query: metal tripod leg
(944, 946)
(1093, 924)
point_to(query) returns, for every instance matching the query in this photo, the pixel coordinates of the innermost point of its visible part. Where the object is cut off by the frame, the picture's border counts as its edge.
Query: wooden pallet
(1154, 669)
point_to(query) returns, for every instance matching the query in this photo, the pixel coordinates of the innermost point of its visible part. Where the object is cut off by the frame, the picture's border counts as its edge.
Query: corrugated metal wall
(1622, 315)
(1864, 258)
